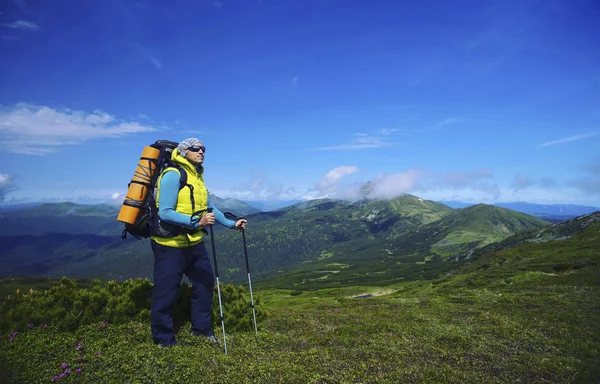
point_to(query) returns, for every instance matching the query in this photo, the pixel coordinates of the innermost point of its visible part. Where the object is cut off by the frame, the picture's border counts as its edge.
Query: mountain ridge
(403, 234)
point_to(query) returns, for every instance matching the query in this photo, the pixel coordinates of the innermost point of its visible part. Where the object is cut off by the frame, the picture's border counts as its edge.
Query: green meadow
(528, 314)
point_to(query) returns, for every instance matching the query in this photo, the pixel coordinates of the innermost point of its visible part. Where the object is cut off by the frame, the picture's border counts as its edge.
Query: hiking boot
(213, 339)
(209, 337)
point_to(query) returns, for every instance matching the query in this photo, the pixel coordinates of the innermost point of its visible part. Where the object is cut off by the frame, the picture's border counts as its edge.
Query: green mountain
(77, 240)
(237, 207)
(321, 242)
(460, 233)
(572, 260)
(50, 251)
(560, 231)
(67, 209)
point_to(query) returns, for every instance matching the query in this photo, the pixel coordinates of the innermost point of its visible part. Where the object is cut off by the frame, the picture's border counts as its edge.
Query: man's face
(195, 153)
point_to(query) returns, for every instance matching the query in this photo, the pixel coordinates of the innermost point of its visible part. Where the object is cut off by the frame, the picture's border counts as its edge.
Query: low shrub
(66, 307)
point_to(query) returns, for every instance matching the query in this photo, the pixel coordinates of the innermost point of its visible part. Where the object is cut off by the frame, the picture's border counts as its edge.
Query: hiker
(178, 244)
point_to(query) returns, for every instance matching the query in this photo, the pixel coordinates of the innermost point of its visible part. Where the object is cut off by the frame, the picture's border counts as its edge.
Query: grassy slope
(459, 233)
(527, 314)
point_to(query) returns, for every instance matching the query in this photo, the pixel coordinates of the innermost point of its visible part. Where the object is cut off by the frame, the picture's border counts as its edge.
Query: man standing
(178, 246)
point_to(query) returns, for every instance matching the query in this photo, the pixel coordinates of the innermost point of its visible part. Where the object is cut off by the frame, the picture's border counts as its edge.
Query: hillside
(65, 209)
(526, 314)
(559, 231)
(413, 256)
(237, 207)
(335, 242)
(458, 234)
(51, 251)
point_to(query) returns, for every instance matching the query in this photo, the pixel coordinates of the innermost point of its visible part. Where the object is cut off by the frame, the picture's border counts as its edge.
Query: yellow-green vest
(184, 203)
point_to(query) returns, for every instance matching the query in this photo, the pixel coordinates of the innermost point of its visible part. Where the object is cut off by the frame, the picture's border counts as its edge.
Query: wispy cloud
(388, 186)
(6, 185)
(50, 129)
(329, 182)
(23, 25)
(447, 121)
(568, 139)
(258, 187)
(152, 58)
(155, 62)
(363, 141)
(414, 181)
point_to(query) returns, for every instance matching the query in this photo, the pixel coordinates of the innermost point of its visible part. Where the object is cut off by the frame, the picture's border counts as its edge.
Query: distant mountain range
(308, 243)
(553, 212)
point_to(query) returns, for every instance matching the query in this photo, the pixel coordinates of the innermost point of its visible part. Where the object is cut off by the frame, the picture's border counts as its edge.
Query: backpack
(150, 168)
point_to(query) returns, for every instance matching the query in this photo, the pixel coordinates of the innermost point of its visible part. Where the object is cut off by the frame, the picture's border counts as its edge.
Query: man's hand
(208, 219)
(241, 224)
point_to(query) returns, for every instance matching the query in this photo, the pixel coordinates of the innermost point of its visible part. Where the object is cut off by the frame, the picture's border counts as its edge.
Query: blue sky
(479, 101)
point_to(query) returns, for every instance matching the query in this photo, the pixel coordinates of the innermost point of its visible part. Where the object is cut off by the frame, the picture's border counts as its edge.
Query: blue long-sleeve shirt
(167, 201)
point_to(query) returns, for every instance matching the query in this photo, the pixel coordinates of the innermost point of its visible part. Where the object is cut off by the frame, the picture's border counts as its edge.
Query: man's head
(193, 150)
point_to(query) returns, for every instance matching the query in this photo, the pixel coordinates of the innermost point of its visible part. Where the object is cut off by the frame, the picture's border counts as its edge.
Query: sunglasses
(197, 148)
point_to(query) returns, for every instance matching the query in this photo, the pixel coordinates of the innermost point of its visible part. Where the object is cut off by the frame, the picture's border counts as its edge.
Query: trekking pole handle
(231, 216)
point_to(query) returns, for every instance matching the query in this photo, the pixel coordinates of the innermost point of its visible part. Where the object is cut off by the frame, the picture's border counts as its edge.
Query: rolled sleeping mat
(139, 186)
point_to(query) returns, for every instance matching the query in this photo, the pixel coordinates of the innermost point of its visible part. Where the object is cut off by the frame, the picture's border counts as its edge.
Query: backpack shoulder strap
(182, 173)
(182, 176)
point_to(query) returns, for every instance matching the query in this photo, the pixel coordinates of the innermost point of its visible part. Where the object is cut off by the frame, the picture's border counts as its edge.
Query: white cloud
(387, 131)
(330, 181)
(23, 25)
(418, 182)
(51, 129)
(394, 185)
(258, 187)
(568, 139)
(362, 141)
(6, 185)
(447, 121)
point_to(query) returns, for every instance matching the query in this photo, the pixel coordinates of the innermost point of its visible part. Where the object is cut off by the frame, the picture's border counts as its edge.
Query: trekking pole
(249, 281)
(233, 217)
(212, 240)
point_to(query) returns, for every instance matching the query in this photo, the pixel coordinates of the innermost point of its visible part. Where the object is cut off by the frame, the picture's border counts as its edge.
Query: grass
(415, 335)
(525, 315)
